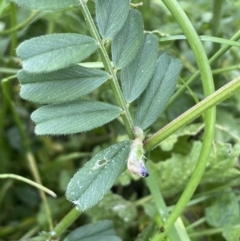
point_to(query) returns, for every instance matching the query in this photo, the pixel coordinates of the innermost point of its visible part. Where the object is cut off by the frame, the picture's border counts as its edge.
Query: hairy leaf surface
(136, 75)
(52, 52)
(97, 176)
(128, 40)
(111, 16)
(73, 117)
(46, 5)
(101, 230)
(159, 90)
(60, 86)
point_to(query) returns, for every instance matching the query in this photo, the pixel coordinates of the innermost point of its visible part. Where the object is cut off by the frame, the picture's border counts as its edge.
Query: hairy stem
(127, 119)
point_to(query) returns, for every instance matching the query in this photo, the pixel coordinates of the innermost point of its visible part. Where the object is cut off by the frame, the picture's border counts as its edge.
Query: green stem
(30, 158)
(127, 119)
(14, 34)
(216, 20)
(23, 179)
(162, 209)
(191, 114)
(209, 118)
(227, 69)
(66, 222)
(212, 60)
(21, 25)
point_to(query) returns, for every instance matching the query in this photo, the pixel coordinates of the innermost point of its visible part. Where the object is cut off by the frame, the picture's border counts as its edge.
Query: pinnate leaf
(60, 86)
(101, 230)
(46, 5)
(73, 117)
(136, 75)
(110, 16)
(96, 177)
(154, 99)
(56, 51)
(128, 40)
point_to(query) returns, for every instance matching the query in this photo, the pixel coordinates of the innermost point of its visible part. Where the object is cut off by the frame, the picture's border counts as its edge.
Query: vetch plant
(142, 79)
(51, 76)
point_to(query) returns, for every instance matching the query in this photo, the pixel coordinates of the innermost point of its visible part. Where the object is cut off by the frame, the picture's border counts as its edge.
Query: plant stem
(212, 60)
(216, 20)
(30, 182)
(14, 34)
(127, 119)
(66, 222)
(29, 156)
(194, 112)
(21, 25)
(162, 209)
(209, 117)
(227, 69)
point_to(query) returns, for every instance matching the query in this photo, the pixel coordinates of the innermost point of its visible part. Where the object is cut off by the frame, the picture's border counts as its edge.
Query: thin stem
(13, 23)
(212, 60)
(162, 209)
(127, 119)
(21, 25)
(30, 158)
(66, 222)
(227, 69)
(210, 115)
(216, 20)
(194, 112)
(23, 179)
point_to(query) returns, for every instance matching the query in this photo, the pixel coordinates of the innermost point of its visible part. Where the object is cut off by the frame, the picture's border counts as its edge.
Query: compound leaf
(73, 117)
(110, 16)
(56, 51)
(154, 99)
(101, 230)
(60, 86)
(46, 5)
(97, 176)
(128, 40)
(136, 75)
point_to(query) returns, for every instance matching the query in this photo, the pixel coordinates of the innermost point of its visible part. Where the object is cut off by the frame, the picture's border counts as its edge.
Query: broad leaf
(102, 230)
(97, 176)
(73, 117)
(111, 16)
(60, 86)
(128, 40)
(46, 5)
(158, 92)
(136, 75)
(224, 211)
(52, 52)
(231, 233)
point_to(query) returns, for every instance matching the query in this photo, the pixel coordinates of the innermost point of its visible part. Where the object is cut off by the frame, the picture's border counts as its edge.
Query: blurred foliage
(22, 213)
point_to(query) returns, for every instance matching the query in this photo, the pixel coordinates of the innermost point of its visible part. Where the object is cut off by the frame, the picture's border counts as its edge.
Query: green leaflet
(154, 99)
(97, 176)
(60, 86)
(73, 117)
(127, 42)
(101, 230)
(46, 5)
(136, 75)
(110, 16)
(56, 51)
